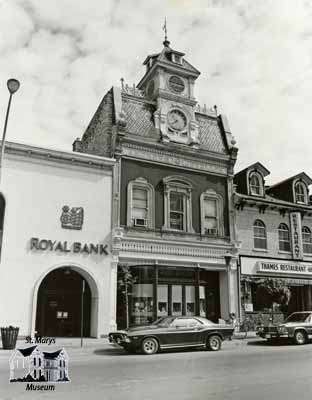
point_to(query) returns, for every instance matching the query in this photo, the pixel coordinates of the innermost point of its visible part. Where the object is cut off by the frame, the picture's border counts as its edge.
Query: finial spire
(166, 41)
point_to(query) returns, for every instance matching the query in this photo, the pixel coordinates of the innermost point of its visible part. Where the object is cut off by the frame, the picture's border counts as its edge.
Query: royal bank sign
(58, 246)
(283, 268)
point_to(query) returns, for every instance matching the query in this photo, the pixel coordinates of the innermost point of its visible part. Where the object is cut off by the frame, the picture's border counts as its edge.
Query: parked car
(297, 327)
(173, 333)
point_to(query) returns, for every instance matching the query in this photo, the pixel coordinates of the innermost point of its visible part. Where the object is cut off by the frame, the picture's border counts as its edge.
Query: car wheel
(214, 343)
(149, 346)
(300, 337)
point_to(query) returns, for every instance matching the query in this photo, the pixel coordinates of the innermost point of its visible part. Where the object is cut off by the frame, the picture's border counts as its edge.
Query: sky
(255, 58)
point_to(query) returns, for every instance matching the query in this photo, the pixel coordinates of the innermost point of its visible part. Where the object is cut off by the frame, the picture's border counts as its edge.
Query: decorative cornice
(58, 156)
(156, 247)
(148, 154)
(164, 94)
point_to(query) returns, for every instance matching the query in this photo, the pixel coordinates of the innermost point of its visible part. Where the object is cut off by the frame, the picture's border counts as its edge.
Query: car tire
(213, 343)
(149, 346)
(300, 337)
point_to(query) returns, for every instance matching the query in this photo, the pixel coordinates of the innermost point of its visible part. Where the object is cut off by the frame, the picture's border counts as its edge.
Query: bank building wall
(56, 242)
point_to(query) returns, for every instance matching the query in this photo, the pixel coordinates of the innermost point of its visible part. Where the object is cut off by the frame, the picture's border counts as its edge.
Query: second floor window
(211, 213)
(306, 240)
(140, 211)
(283, 237)
(177, 211)
(139, 203)
(177, 204)
(259, 231)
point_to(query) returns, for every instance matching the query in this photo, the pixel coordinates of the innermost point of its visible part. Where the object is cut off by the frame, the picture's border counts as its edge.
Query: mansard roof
(301, 176)
(129, 110)
(257, 166)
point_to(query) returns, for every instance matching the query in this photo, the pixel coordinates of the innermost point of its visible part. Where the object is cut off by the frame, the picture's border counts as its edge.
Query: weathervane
(166, 41)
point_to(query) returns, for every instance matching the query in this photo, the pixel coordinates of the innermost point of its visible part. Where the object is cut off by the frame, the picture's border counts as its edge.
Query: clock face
(177, 120)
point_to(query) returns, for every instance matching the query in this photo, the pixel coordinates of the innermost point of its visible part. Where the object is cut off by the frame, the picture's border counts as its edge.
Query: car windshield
(298, 317)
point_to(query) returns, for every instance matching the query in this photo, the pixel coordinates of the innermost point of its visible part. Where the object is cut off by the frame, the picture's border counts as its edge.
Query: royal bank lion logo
(72, 218)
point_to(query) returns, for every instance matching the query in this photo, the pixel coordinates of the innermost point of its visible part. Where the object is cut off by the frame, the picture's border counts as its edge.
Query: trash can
(9, 337)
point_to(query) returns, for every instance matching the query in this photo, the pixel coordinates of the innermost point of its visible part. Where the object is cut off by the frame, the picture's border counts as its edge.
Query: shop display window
(190, 300)
(162, 297)
(202, 301)
(142, 304)
(176, 300)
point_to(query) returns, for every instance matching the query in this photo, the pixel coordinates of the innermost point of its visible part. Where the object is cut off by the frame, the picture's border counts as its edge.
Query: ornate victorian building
(172, 193)
(274, 225)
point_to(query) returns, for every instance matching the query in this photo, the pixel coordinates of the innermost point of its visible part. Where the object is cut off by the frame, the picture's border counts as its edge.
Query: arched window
(259, 231)
(306, 240)
(211, 205)
(255, 184)
(2, 208)
(300, 192)
(283, 237)
(140, 210)
(177, 204)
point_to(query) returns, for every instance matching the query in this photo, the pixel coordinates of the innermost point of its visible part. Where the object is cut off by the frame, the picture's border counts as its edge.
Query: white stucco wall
(35, 191)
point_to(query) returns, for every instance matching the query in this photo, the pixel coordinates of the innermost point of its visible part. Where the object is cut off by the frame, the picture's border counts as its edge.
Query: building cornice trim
(161, 156)
(59, 156)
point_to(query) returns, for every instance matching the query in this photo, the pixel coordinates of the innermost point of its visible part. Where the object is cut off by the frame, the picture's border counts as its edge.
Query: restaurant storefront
(294, 275)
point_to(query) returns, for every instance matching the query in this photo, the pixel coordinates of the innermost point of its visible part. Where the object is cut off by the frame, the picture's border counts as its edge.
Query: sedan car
(172, 333)
(297, 327)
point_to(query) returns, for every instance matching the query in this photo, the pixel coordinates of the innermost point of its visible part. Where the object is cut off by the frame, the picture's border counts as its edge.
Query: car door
(183, 332)
(309, 325)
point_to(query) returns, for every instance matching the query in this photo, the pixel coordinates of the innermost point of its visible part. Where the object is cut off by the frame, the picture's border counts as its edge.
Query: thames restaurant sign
(284, 268)
(65, 247)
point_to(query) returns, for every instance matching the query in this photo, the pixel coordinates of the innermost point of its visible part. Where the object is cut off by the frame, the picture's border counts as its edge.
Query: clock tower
(169, 81)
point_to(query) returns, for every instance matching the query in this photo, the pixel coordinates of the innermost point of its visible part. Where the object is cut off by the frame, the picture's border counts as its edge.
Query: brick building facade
(274, 225)
(173, 183)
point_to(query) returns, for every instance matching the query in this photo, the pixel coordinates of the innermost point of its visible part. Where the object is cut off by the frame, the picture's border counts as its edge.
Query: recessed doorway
(59, 307)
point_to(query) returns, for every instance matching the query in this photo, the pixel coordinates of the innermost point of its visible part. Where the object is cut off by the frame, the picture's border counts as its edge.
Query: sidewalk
(72, 344)
(91, 344)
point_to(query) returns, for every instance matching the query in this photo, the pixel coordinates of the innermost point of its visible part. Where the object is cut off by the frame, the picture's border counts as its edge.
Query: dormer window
(177, 59)
(255, 184)
(300, 192)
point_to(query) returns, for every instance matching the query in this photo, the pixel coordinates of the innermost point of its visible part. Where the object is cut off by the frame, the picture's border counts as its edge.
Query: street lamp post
(13, 86)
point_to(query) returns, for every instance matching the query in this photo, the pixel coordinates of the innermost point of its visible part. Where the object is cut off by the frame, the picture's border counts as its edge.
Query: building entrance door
(59, 304)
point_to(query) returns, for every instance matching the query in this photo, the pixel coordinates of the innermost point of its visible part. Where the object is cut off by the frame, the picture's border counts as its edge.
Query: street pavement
(244, 369)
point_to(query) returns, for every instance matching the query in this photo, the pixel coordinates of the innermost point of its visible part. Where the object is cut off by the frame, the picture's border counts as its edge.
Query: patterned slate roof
(140, 121)
(139, 117)
(210, 136)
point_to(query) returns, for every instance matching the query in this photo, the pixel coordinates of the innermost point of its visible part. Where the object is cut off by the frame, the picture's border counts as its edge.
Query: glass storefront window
(202, 301)
(176, 300)
(142, 303)
(162, 298)
(190, 300)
